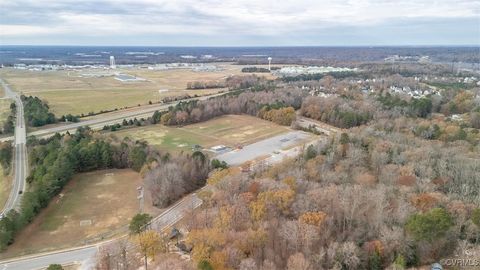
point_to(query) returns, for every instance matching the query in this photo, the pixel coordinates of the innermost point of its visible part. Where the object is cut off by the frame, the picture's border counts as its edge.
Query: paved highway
(86, 255)
(20, 163)
(98, 121)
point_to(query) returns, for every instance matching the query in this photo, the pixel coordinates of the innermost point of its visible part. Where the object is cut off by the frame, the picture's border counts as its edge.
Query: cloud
(214, 19)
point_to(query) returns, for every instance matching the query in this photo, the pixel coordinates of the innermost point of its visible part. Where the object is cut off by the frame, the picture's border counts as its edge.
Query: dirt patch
(95, 206)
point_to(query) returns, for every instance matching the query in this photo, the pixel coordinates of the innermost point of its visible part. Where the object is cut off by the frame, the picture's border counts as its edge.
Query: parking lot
(265, 147)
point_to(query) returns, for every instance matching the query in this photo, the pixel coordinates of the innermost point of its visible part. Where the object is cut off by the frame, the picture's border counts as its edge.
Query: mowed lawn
(93, 206)
(230, 130)
(73, 92)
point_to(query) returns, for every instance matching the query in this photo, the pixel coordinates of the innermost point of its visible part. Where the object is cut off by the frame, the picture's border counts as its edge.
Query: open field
(73, 92)
(85, 101)
(93, 206)
(230, 130)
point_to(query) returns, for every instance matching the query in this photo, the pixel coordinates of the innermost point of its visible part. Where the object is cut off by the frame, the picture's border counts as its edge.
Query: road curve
(20, 163)
(85, 255)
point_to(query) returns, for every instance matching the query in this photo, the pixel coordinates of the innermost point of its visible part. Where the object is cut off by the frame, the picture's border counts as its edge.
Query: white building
(112, 62)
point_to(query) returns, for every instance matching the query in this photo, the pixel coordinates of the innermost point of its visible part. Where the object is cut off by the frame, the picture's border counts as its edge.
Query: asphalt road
(98, 121)
(86, 255)
(20, 162)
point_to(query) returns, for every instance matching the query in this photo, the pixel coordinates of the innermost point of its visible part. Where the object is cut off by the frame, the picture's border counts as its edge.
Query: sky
(240, 22)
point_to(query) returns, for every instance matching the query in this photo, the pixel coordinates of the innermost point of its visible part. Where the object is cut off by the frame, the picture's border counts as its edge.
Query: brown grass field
(230, 130)
(71, 92)
(94, 206)
(4, 110)
(4, 107)
(5, 186)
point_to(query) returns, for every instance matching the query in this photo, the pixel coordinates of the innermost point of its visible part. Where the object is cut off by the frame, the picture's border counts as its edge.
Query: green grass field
(93, 206)
(73, 92)
(231, 130)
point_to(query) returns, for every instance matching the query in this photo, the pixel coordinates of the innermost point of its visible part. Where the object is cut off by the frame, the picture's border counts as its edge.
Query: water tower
(269, 63)
(112, 62)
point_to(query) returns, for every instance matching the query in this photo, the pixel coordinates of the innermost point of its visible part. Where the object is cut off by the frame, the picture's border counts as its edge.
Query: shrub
(476, 216)
(138, 223)
(429, 226)
(55, 267)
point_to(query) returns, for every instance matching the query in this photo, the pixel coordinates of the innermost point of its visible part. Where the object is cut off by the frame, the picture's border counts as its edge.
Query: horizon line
(245, 46)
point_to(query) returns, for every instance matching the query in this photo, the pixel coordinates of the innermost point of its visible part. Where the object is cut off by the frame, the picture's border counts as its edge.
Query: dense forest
(370, 199)
(246, 102)
(37, 112)
(9, 124)
(339, 112)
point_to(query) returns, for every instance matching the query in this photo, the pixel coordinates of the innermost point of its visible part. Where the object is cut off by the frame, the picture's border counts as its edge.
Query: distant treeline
(255, 69)
(205, 85)
(318, 76)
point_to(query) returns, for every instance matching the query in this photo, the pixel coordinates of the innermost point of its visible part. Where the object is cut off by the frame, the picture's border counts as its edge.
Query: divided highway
(20, 157)
(116, 117)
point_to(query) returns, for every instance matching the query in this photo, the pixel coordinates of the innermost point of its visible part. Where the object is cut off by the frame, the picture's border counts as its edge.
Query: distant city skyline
(240, 23)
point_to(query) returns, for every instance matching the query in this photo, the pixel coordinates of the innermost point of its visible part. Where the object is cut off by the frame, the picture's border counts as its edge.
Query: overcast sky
(240, 22)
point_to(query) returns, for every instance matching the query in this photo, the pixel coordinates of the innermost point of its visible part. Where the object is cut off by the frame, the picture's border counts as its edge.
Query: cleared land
(75, 92)
(92, 207)
(230, 130)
